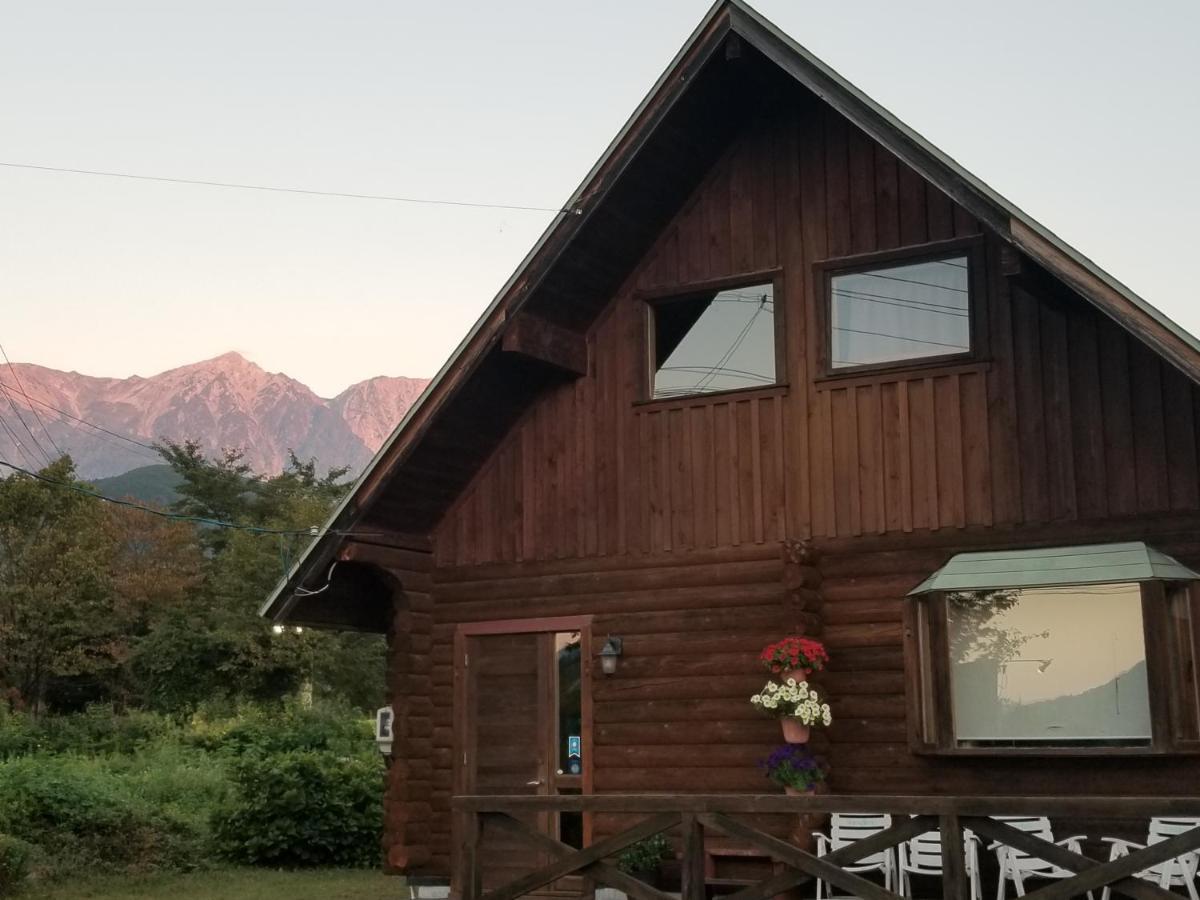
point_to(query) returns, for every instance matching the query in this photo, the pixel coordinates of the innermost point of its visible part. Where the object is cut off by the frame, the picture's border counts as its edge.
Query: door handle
(533, 783)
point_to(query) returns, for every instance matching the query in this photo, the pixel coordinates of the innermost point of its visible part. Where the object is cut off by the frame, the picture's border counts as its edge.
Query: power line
(900, 337)
(940, 287)
(178, 517)
(576, 211)
(903, 304)
(16, 442)
(25, 394)
(20, 418)
(67, 415)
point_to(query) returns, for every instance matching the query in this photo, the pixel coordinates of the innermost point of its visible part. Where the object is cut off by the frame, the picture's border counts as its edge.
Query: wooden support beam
(1060, 856)
(789, 855)
(601, 871)
(954, 870)
(534, 338)
(576, 861)
(692, 874)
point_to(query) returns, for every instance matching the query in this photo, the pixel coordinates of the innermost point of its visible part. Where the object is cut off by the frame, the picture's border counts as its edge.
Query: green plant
(303, 808)
(645, 855)
(793, 766)
(15, 857)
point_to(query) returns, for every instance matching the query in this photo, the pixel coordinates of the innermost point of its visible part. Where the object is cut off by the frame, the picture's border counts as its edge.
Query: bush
(86, 816)
(303, 808)
(260, 732)
(99, 730)
(15, 856)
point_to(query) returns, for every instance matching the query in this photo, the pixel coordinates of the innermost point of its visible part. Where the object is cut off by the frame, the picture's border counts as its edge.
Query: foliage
(85, 816)
(154, 484)
(974, 635)
(303, 808)
(793, 699)
(262, 732)
(16, 856)
(645, 855)
(794, 766)
(97, 730)
(794, 654)
(54, 596)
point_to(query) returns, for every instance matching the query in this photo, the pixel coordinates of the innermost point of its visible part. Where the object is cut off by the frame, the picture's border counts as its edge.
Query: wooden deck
(696, 815)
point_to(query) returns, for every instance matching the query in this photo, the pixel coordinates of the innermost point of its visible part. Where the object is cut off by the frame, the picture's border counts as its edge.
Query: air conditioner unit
(384, 719)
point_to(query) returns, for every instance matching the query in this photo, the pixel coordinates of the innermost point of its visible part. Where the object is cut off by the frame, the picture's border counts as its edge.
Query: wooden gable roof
(532, 333)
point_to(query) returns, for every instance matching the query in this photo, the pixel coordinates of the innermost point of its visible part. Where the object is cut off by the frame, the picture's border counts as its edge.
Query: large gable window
(714, 340)
(1056, 650)
(898, 310)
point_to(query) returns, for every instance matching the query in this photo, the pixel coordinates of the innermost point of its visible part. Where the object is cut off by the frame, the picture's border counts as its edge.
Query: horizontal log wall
(1062, 416)
(675, 717)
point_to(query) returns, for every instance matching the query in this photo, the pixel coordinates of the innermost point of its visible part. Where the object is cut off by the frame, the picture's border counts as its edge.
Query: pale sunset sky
(1084, 113)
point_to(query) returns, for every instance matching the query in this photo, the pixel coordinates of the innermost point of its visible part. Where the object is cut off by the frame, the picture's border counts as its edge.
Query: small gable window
(713, 340)
(1064, 649)
(894, 312)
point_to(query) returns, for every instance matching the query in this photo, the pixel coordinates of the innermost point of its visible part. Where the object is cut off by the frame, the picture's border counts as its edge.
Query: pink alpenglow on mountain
(223, 402)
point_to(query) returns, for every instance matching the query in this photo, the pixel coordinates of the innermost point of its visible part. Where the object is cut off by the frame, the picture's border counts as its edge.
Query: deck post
(954, 870)
(692, 884)
(468, 874)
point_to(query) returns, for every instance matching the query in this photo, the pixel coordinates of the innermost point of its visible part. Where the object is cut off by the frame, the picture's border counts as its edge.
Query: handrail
(1107, 807)
(954, 817)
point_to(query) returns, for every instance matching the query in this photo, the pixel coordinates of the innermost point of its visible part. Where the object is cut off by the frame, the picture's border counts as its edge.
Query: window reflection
(901, 312)
(569, 667)
(1049, 665)
(714, 342)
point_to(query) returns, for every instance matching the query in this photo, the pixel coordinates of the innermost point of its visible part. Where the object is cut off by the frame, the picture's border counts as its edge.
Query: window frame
(650, 300)
(1172, 659)
(825, 270)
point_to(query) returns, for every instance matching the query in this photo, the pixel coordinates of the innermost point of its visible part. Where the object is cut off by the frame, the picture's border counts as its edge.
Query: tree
(55, 590)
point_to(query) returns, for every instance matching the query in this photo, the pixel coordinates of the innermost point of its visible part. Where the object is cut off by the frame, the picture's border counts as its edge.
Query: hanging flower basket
(797, 705)
(794, 657)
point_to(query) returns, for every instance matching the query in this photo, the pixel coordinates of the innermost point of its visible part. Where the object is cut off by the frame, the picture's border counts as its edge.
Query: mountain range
(105, 424)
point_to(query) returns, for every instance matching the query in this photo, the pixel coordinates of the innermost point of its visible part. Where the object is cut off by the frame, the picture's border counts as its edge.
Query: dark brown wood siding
(1061, 417)
(663, 519)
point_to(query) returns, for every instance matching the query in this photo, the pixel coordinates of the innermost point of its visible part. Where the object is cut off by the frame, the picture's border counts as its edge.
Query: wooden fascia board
(1108, 299)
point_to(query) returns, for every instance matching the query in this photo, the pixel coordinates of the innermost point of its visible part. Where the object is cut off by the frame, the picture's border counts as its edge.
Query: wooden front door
(523, 726)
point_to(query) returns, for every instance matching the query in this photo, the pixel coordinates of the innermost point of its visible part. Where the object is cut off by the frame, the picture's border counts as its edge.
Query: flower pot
(797, 792)
(794, 731)
(799, 674)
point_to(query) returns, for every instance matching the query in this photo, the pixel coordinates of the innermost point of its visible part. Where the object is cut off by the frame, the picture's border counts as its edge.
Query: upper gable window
(719, 340)
(891, 313)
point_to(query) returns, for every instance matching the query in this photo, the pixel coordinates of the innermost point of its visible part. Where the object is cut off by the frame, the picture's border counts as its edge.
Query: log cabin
(779, 366)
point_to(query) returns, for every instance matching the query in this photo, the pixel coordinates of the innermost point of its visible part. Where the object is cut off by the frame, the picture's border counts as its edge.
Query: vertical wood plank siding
(1062, 417)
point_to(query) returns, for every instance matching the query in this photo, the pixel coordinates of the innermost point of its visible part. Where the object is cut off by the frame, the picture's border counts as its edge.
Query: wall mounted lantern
(609, 654)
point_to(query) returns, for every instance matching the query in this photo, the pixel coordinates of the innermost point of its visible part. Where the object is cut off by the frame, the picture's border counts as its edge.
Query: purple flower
(793, 765)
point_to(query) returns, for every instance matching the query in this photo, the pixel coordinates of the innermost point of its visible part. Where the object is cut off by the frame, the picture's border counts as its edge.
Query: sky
(1083, 113)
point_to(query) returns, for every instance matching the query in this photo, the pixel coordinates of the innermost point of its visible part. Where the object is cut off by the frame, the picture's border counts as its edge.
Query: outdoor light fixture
(609, 654)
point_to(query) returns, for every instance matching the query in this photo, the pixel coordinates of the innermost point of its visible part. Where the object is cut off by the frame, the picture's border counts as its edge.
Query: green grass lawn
(231, 884)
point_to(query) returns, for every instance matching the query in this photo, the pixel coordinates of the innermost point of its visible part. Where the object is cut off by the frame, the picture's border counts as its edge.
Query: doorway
(523, 725)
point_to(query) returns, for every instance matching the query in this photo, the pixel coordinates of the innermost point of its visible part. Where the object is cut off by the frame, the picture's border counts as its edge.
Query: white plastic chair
(846, 828)
(922, 855)
(1017, 865)
(1177, 872)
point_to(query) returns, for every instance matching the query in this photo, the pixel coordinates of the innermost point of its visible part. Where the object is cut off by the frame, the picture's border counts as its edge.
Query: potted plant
(642, 860)
(797, 706)
(794, 657)
(795, 768)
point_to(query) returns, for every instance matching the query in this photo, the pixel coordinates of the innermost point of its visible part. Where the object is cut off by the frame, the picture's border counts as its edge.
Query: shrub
(303, 808)
(645, 855)
(97, 731)
(255, 731)
(86, 816)
(15, 856)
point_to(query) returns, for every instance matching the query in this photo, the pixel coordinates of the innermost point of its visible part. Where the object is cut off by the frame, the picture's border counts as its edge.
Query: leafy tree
(55, 592)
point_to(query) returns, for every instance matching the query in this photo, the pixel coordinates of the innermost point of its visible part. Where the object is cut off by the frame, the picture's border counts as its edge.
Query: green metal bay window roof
(1053, 566)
